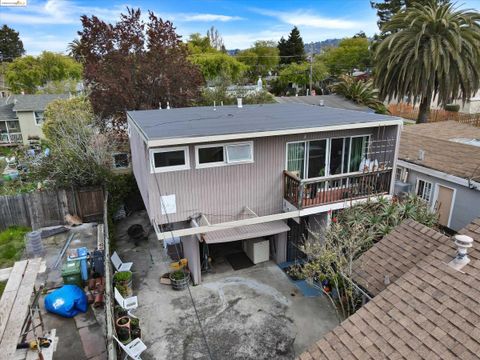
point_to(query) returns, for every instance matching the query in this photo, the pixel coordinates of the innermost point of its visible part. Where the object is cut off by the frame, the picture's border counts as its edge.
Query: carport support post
(191, 250)
(281, 247)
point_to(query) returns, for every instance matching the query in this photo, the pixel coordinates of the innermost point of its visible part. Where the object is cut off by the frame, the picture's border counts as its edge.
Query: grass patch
(12, 244)
(2, 286)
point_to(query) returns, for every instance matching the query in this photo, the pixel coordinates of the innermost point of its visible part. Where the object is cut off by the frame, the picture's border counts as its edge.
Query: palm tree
(433, 51)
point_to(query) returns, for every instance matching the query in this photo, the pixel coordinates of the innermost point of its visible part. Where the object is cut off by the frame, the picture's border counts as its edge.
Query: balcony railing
(304, 193)
(11, 137)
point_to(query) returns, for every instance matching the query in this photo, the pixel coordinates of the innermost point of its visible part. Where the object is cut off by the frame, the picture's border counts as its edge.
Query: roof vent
(168, 105)
(463, 243)
(322, 102)
(421, 154)
(239, 103)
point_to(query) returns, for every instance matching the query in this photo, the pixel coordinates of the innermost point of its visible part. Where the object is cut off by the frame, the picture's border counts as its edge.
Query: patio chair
(133, 349)
(129, 304)
(119, 264)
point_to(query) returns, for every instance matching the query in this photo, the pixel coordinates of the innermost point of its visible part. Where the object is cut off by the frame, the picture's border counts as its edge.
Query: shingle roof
(7, 113)
(399, 251)
(205, 121)
(36, 102)
(440, 153)
(431, 312)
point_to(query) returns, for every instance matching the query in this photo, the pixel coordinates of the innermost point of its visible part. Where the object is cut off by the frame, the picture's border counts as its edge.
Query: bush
(122, 276)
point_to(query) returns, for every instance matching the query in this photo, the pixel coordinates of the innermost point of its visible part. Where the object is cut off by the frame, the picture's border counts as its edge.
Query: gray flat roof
(227, 120)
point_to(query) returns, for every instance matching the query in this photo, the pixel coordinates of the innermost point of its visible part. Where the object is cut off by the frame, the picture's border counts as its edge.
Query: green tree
(11, 46)
(299, 73)
(29, 72)
(261, 58)
(351, 53)
(433, 50)
(359, 91)
(292, 49)
(79, 155)
(218, 66)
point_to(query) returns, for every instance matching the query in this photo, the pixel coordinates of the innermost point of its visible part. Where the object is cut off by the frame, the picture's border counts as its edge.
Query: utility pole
(311, 63)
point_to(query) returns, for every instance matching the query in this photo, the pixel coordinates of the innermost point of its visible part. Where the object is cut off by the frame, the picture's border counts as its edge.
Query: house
(440, 162)
(21, 116)
(213, 177)
(431, 311)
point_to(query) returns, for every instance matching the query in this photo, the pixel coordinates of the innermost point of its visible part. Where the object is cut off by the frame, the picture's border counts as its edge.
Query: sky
(52, 24)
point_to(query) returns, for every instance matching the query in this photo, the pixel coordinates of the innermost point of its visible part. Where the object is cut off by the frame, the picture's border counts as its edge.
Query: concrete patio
(254, 313)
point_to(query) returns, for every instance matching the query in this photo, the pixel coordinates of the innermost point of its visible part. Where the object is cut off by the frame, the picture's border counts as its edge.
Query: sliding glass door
(296, 158)
(317, 155)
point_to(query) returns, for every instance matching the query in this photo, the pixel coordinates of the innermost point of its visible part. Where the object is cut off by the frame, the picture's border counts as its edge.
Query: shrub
(122, 276)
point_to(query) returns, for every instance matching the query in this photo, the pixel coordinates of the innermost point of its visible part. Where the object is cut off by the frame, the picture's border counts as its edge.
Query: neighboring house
(9, 125)
(429, 310)
(218, 175)
(440, 162)
(29, 110)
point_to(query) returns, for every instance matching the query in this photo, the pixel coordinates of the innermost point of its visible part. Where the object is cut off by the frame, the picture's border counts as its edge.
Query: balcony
(304, 193)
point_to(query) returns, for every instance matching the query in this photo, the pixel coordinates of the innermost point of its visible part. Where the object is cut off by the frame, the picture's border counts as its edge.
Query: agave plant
(360, 92)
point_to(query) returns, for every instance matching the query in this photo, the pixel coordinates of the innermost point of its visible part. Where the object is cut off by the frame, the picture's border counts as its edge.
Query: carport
(269, 237)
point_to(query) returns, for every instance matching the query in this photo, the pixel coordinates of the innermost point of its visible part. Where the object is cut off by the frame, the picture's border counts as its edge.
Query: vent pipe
(322, 102)
(239, 103)
(463, 243)
(421, 155)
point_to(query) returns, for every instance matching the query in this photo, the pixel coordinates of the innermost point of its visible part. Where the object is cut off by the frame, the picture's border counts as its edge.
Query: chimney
(463, 243)
(239, 103)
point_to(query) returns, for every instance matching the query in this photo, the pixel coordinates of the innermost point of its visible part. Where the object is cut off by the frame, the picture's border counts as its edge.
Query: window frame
(226, 161)
(121, 153)
(424, 187)
(35, 117)
(327, 154)
(186, 155)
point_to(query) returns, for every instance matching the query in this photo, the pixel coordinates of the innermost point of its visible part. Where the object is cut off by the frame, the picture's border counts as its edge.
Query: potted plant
(119, 312)
(123, 329)
(135, 328)
(180, 279)
(124, 278)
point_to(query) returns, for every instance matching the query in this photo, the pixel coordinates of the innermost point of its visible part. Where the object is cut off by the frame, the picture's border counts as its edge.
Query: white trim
(247, 135)
(226, 161)
(430, 195)
(435, 198)
(154, 169)
(438, 174)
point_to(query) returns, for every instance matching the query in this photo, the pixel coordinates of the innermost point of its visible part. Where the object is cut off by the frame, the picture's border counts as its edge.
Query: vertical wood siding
(221, 193)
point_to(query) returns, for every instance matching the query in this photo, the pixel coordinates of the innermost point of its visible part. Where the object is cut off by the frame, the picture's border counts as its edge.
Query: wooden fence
(409, 112)
(47, 208)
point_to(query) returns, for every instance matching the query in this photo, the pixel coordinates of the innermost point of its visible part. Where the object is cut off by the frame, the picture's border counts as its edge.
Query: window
(317, 158)
(400, 174)
(39, 117)
(424, 190)
(224, 154)
(169, 159)
(120, 161)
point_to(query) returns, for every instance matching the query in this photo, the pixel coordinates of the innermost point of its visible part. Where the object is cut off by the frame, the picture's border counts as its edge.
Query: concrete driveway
(254, 313)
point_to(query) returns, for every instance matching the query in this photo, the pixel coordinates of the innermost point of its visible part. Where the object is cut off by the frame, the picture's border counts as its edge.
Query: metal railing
(304, 193)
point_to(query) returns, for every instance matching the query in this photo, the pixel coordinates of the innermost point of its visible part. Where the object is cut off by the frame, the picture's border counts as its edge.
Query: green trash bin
(72, 274)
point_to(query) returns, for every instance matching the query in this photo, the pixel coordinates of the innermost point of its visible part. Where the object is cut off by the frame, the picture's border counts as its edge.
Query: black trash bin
(98, 263)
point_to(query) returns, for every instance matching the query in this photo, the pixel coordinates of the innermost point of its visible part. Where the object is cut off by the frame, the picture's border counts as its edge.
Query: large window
(317, 158)
(224, 154)
(169, 159)
(424, 190)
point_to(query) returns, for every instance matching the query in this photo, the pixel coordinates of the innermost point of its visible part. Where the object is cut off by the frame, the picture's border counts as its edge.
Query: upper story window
(224, 154)
(424, 190)
(38, 117)
(317, 158)
(169, 159)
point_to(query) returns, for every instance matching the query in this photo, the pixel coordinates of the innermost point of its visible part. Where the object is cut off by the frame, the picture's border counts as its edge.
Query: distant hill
(317, 46)
(321, 45)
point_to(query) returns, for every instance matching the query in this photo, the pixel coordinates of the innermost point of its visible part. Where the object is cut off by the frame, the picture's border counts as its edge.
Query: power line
(184, 273)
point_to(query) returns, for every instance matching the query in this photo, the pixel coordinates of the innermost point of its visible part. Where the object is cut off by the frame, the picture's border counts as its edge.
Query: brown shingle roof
(399, 251)
(441, 153)
(431, 312)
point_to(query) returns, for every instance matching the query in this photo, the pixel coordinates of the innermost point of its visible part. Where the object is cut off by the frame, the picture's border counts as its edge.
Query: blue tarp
(67, 301)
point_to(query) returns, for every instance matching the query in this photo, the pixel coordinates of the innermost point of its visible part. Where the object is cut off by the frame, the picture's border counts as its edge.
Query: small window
(208, 155)
(239, 153)
(170, 159)
(399, 173)
(424, 190)
(39, 117)
(224, 154)
(121, 161)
